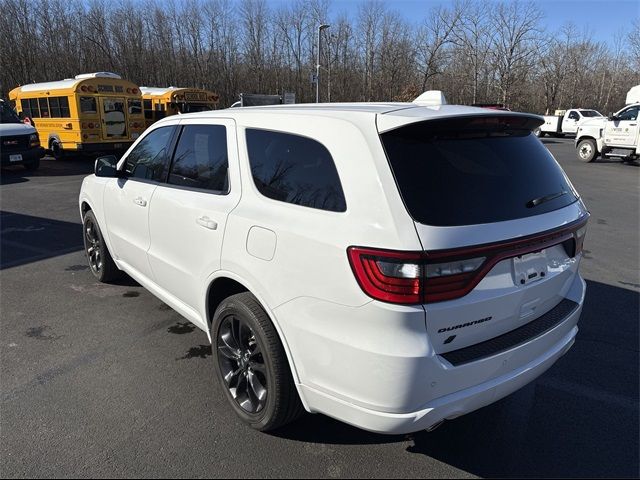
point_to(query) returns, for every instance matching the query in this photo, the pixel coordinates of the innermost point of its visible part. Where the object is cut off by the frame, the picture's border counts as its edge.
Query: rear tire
(100, 262)
(587, 150)
(251, 365)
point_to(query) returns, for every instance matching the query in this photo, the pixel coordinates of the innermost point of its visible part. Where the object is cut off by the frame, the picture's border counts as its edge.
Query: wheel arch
(230, 283)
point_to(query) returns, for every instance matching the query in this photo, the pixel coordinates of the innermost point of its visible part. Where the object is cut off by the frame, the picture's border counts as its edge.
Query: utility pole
(320, 28)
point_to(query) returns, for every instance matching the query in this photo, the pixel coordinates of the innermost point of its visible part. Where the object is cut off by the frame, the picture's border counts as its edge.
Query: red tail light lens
(394, 277)
(435, 276)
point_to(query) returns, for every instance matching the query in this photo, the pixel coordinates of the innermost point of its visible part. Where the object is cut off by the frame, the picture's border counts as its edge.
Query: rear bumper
(444, 408)
(28, 156)
(375, 367)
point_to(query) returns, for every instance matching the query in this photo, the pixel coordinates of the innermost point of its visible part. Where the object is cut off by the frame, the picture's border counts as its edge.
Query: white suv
(389, 265)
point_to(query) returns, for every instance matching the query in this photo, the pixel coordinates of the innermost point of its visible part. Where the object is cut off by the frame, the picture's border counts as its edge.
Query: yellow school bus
(162, 102)
(90, 114)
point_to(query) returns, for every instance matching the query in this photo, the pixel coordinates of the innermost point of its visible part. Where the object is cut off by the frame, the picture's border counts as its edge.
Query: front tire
(56, 149)
(587, 150)
(102, 265)
(251, 365)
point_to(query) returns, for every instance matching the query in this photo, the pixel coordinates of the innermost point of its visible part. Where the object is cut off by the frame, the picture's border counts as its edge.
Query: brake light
(394, 277)
(435, 276)
(135, 90)
(83, 88)
(91, 88)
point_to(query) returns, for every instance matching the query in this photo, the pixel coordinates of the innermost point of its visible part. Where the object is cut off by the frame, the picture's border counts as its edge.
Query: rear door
(127, 200)
(476, 187)
(189, 213)
(113, 117)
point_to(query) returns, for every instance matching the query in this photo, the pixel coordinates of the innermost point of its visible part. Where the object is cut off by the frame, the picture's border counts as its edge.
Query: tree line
(476, 51)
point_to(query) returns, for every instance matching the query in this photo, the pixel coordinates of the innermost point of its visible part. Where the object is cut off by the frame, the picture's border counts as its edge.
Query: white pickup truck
(615, 136)
(565, 122)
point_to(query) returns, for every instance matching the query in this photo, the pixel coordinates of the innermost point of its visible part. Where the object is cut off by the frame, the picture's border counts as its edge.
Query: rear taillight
(579, 238)
(435, 276)
(394, 277)
(34, 140)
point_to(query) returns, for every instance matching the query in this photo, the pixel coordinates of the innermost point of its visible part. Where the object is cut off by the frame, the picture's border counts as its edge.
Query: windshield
(590, 113)
(7, 115)
(467, 171)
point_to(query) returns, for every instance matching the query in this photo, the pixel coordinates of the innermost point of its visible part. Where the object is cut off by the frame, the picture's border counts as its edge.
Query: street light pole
(320, 28)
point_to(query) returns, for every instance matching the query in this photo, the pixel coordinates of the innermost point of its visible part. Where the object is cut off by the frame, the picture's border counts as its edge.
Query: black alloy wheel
(92, 246)
(102, 265)
(251, 365)
(242, 364)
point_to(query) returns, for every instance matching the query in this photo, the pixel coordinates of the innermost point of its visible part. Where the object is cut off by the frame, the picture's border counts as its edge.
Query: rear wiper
(537, 201)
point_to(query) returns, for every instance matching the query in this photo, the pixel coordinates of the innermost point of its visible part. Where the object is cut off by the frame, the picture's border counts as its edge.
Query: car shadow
(25, 238)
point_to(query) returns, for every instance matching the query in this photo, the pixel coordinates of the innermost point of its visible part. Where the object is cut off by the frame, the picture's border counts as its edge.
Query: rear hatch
(500, 224)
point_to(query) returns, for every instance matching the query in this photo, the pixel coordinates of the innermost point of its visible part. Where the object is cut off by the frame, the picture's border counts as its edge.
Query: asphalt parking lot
(107, 381)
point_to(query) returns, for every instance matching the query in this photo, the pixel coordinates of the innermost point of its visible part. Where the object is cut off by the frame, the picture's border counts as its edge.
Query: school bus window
(35, 111)
(88, 105)
(54, 106)
(26, 110)
(135, 107)
(44, 108)
(64, 107)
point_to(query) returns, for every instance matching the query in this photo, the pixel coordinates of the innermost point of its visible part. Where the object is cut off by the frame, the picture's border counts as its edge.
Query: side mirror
(107, 167)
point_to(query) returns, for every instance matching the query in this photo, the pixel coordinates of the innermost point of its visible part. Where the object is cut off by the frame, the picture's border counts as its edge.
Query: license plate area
(15, 158)
(530, 268)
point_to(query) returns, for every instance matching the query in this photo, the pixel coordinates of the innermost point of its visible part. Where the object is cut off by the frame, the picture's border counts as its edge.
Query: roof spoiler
(431, 98)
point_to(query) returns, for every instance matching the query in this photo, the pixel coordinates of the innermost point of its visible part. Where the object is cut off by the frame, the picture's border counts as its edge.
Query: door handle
(140, 201)
(633, 124)
(206, 222)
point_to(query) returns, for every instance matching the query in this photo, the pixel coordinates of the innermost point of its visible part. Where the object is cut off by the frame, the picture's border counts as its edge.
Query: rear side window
(201, 159)
(148, 160)
(468, 171)
(294, 169)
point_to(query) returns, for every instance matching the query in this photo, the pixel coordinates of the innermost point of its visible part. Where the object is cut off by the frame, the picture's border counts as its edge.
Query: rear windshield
(468, 171)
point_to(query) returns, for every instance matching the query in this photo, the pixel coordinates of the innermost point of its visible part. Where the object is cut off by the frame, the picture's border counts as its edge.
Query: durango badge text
(462, 325)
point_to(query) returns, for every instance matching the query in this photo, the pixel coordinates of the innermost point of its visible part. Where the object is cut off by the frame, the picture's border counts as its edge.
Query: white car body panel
(371, 364)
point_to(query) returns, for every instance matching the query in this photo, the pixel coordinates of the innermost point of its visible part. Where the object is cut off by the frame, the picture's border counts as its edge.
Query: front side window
(294, 169)
(148, 160)
(26, 108)
(574, 116)
(201, 159)
(629, 114)
(7, 115)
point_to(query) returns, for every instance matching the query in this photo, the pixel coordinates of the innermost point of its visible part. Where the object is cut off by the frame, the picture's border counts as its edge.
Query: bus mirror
(107, 166)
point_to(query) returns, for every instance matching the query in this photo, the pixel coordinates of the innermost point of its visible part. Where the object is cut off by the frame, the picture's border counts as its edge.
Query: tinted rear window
(294, 169)
(469, 171)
